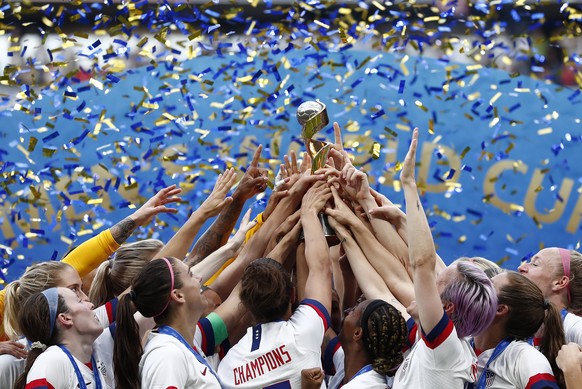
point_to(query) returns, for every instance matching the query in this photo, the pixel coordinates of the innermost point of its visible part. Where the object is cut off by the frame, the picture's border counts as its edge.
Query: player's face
(191, 284)
(352, 321)
(69, 278)
(541, 269)
(80, 314)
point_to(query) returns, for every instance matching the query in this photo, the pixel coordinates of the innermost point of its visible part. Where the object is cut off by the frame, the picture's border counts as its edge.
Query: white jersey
(106, 313)
(520, 365)
(167, 363)
(573, 328)
(333, 363)
(53, 370)
(368, 379)
(272, 355)
(438, 360)
(11, 367)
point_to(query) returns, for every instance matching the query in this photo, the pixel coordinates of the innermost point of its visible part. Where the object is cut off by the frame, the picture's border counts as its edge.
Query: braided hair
(384, 335)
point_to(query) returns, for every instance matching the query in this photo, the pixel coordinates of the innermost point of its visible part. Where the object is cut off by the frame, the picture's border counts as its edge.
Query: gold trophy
(312, 115)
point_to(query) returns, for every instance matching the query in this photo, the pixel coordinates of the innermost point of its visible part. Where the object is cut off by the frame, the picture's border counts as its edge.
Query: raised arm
(370, 282)
(318, 284)
(254, 181)
(388, 266)
(180, 243)
(388, 211)
(92, 252)
(355, 183)
(420, 246)
(287, 243)
(214, 262)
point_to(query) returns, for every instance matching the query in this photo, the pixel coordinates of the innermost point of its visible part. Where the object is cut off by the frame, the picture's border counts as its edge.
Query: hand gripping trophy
(312, 115)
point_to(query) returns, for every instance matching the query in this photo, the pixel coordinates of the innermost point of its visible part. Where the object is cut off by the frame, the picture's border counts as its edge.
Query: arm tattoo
(217, 235)
(417, 205)
(123, 230)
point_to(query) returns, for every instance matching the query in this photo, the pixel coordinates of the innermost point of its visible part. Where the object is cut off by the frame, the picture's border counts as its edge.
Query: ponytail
(384, 335)
(32, 355)
(11, 307)
(150, 296)
(116, 275)
(127, 350)
(101, 288)
(553, 339)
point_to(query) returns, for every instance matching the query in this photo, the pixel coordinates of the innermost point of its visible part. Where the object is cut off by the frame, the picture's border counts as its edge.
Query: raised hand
(239, 238)
(355, 182)
(274, 199)
(337, 152)
(391, 213)
(341, 212)
(340, 230)
(283, 230)
(286, 244)
(316, 197)
(290, 166)
(407, 173)
(156, 205)
(254, 180)
(216, 201)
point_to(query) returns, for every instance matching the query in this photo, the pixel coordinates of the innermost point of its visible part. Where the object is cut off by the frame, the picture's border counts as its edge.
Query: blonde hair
(490, 268)
(35, 279)
(115, 275)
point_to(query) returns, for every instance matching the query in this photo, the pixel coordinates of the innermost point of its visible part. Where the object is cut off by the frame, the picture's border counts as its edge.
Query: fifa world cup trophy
(312, 116)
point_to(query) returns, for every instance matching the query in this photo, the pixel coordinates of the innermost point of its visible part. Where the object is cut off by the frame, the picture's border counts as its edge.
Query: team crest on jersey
(489, 378)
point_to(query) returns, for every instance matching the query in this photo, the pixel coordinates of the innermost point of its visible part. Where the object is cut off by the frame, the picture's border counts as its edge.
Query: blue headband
(52, 298)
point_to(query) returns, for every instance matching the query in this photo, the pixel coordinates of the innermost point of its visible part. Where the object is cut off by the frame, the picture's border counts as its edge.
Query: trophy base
(330, 236)
(328, 232)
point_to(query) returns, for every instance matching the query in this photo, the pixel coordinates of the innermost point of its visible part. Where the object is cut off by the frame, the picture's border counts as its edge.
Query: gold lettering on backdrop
(554, 213)
(452, 161)
(576, 217)
(491, 177)
(45, 211)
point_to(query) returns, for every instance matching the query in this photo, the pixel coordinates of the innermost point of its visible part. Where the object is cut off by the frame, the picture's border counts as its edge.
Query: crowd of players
(277, 305)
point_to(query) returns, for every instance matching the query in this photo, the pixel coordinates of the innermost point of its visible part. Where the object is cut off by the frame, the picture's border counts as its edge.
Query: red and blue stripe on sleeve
(208, 344)
(439, 333)
(412, 331)
(330, 350)
(542, 381)
(40, 383)
(321, 311)
(111, 309)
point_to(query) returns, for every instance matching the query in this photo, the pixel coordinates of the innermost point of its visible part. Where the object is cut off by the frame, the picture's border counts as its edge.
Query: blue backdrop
(497, 158)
